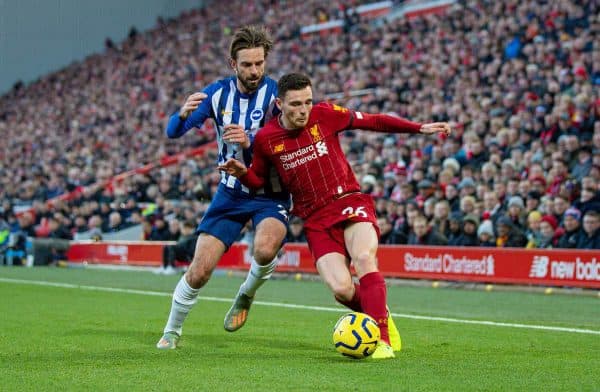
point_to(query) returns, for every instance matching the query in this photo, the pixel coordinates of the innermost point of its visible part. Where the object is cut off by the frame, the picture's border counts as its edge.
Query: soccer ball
(356, 335)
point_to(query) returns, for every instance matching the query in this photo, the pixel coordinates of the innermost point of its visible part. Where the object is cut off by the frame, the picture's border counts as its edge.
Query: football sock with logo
(184, 298)
(354, 303)
(257, 275)
(373, 299)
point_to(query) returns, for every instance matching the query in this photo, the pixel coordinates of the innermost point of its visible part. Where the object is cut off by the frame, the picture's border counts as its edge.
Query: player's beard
(250, 85)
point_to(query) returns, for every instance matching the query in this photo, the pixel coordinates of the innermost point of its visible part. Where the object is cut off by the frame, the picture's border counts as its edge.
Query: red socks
(354, 303)
(373, 298)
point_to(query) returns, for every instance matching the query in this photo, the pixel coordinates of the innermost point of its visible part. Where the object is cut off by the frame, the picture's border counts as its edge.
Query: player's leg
(361, 242)
(269, 235)
(333, 269)
(328, 248)
(209, 250)
(219, 229)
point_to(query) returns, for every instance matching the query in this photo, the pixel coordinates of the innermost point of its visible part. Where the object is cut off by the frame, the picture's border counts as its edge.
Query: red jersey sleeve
(335, 118)
(339, 118)
(257, 174)
(384, 123)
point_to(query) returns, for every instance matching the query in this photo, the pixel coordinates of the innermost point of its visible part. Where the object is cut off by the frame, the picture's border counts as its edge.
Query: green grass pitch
(79, 336)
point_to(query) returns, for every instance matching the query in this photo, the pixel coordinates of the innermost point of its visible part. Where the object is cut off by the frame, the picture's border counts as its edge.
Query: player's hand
(437, 127)
(234, 168)
(191, 103)
(235, 133)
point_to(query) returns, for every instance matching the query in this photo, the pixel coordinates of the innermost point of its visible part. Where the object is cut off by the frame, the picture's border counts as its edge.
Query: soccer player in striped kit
(340, 223)
(239, 106)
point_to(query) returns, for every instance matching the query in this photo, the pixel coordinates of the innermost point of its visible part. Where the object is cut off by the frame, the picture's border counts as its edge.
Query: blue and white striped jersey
(225, 105)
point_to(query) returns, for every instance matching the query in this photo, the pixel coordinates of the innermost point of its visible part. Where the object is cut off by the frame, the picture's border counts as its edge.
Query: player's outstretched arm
(437, 127)
(248, 177)
(392, 124)
(187, 117)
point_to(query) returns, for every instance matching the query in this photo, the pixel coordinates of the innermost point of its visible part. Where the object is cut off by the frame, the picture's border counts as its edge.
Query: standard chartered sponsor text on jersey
(447, 263)
(298, 157)
(297, 153)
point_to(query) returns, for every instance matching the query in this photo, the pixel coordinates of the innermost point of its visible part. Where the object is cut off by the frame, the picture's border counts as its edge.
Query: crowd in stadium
(518, 81)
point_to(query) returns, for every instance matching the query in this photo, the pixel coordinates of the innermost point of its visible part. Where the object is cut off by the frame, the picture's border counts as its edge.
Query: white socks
(184, 297)
(257, 275)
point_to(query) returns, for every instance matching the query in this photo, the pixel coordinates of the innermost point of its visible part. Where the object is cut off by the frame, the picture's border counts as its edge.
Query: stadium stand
(518, 80)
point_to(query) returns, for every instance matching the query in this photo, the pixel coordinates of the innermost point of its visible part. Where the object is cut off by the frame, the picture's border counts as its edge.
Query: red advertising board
(118, 252)
(576, 268)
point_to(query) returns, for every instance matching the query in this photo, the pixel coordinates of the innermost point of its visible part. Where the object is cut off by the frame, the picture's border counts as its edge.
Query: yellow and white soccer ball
(356, 335)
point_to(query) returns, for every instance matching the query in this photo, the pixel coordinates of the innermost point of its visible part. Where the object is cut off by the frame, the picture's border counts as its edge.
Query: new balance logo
(539, 267)
(322, 149)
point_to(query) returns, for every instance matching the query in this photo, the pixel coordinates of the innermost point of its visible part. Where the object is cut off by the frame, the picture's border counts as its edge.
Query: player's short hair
(249, 37)
(292, 81)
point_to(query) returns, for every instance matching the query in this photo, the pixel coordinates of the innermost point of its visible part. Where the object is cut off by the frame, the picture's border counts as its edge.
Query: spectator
(174, 230)
(425, 188)
(469, 236)
(466, 187)
(182, 251)
(589, 200)
(95, 227)
(385, 229)
(295, 230)
(573, 231)
(591, 231)
(451, 194)
(4, 238)
(559, 206)
(492, 206)
(533, 200)
(423, 234)
(516, 211)
(160, 229)
(508, 235)
(440, 217)
(548, 232)
(455, 225)
(115, 223)
(584, 163)
(467, 205)
(485, 234)
(533, 234)
(50, 250)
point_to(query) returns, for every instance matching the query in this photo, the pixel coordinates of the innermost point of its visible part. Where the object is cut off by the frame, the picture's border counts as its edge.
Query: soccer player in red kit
(340, 223)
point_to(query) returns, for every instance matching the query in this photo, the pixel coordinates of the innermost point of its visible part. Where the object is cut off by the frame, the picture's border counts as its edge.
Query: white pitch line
(305, 307)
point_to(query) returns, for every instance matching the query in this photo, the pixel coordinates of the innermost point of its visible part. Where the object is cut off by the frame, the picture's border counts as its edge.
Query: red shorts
(325, 227)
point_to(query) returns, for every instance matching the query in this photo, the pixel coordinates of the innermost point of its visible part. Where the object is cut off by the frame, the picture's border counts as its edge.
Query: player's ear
(278, 103)
(233, 64)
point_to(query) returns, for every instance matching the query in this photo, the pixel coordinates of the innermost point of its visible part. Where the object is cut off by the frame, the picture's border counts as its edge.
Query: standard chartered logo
(449, 263)
(322, 148)
(303, 155)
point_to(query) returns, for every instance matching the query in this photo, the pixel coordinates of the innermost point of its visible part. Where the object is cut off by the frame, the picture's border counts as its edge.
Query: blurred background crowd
(518, 81)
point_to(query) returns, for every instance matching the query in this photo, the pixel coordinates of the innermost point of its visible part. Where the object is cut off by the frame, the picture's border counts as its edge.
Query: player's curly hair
(250, 37)
(292, 81)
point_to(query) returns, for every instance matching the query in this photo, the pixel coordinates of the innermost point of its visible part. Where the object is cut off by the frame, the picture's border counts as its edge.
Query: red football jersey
(310, 161)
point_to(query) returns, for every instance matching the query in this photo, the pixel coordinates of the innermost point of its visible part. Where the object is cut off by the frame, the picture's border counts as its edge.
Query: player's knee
(264, 256)
(265, 251)
(343, 291)
(364, 261)
(198, 274)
